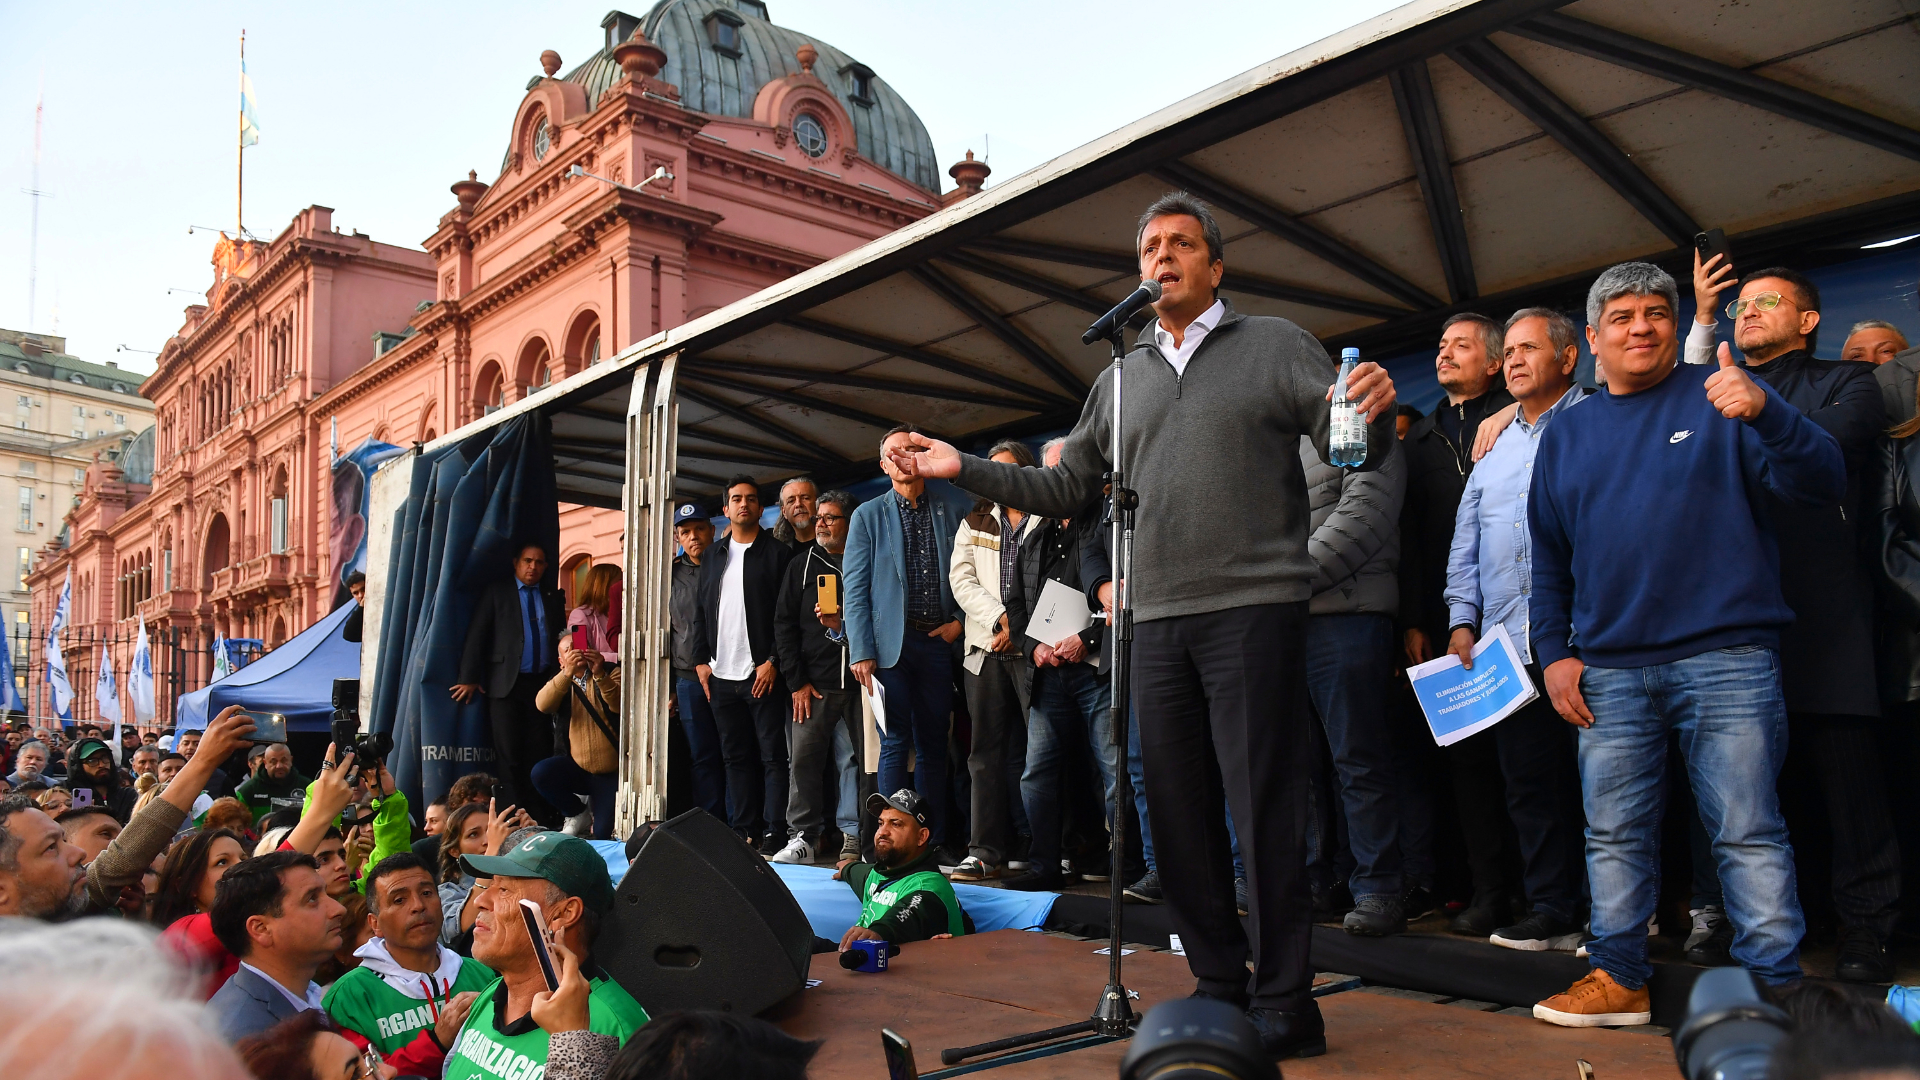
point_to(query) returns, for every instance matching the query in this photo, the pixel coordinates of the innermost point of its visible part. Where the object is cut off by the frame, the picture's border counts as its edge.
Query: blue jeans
(709, 768)
(919, 691)
(1731, 716)
(1137, 775)
(1070, 702)
(1348, 657)
(846, 760)
(564, 783)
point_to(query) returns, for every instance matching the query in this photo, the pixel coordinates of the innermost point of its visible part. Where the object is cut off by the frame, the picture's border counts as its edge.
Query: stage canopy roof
(1443, 157)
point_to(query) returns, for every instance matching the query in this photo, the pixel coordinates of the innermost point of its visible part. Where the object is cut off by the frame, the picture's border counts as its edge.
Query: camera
(364, 751)
(1196, 1039)
(1729, 1033)
(868, 955)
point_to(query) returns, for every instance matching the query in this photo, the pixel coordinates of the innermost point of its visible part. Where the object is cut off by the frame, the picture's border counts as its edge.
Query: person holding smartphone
(568, 879)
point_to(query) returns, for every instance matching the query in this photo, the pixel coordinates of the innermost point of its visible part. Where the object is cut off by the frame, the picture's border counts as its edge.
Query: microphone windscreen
(852, 959)
(1153, 290)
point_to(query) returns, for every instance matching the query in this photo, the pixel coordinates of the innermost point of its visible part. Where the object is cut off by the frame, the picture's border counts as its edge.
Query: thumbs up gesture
(1732, 390)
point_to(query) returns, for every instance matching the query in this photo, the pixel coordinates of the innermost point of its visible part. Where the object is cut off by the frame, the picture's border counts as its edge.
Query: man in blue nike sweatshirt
(1657, 607)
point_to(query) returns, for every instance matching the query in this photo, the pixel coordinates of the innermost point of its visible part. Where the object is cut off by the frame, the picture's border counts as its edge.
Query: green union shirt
(489, 1047)
(389, 1018)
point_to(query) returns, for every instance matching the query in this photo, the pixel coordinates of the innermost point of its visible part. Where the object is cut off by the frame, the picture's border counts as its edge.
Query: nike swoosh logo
(1678, 435)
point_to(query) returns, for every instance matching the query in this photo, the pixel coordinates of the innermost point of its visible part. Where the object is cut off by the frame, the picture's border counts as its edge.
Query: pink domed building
(703, 153)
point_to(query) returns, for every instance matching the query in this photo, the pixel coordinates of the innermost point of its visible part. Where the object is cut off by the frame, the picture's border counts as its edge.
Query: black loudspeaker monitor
(702, 922)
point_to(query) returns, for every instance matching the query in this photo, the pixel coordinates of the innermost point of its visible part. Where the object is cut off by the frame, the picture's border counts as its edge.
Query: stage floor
(970, 990)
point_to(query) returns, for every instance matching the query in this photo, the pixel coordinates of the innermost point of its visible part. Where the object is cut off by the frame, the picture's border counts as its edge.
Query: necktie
(533, 627)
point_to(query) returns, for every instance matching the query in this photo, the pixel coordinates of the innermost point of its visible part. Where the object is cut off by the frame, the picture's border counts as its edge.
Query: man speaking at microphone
(1216, 403)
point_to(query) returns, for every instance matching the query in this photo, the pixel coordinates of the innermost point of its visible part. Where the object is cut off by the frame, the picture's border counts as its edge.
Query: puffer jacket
(1354, 534)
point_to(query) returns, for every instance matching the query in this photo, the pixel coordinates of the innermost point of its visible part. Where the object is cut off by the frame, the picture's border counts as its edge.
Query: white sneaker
(580, 824)
(796, 851)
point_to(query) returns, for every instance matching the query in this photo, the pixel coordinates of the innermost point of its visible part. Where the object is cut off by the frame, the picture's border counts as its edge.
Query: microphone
(1147, 293)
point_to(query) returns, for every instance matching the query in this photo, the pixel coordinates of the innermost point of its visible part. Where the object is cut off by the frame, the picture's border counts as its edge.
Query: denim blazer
(875, 568)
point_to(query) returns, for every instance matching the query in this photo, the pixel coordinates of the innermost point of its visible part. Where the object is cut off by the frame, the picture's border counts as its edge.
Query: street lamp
(659, 173)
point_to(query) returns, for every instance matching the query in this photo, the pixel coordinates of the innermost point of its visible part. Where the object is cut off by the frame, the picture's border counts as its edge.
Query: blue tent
(295, 679)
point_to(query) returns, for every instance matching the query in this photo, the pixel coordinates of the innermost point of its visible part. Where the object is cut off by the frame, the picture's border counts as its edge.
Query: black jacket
(1056, 552)
(803, 651)
(1437, 471)
(492, 654)
(767, 560)
(1896, 531)
(683, 605)
(1826, 654)
(118, 798)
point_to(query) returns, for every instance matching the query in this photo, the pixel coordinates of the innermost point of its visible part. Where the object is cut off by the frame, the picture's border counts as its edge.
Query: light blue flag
(10, 696)
(249, 126)
(58, 688)
(140, 678)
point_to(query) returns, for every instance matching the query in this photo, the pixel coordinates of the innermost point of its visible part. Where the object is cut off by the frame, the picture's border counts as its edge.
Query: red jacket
(191, 939)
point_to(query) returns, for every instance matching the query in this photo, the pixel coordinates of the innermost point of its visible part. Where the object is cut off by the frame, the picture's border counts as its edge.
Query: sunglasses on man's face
(1765, 301)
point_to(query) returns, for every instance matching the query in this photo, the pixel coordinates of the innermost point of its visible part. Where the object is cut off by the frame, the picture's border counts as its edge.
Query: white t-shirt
(732, 652)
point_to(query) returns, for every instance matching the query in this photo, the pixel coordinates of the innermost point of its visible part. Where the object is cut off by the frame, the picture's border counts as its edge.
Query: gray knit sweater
(1214, 454)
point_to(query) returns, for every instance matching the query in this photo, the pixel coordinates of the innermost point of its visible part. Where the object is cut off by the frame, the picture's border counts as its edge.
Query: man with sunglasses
(1826, 654)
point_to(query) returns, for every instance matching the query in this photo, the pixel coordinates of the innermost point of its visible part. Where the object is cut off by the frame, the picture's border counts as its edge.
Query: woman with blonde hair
(596, 613)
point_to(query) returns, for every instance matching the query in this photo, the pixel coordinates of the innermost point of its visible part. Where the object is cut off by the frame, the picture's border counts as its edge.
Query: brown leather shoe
(1597, 1001)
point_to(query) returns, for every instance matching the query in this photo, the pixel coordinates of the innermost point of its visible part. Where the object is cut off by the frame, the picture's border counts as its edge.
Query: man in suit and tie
(273, 913)
(901, 621)
(510, 654)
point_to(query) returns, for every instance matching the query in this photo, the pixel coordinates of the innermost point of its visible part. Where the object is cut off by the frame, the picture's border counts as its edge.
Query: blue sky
(374, 108)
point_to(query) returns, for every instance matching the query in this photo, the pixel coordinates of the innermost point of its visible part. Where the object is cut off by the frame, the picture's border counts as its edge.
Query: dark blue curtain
(471, 507)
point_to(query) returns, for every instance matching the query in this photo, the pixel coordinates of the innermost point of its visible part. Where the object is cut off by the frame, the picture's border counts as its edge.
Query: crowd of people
(1708, 564)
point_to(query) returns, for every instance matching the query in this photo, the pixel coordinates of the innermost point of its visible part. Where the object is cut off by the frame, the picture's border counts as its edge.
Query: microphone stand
(1113, 1017)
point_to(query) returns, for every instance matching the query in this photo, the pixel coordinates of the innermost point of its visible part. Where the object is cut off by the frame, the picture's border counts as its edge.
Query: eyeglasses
(1765, 301)
(821, 518)
(366, 1066)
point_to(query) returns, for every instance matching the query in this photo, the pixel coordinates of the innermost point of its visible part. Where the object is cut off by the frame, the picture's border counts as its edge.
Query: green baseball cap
(86, 748)
(567, 861)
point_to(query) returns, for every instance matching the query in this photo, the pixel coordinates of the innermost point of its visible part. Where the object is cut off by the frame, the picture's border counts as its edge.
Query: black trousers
(1221, 699)
(1517, 786)
(1833, 769)
(753, 740)
(522, 738)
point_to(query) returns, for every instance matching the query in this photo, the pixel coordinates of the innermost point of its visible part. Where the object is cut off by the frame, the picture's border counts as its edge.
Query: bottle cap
(1349, 353)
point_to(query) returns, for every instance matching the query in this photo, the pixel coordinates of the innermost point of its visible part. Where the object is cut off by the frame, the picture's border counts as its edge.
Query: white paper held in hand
(1458, 702)
(877, 700)
(1061, 613)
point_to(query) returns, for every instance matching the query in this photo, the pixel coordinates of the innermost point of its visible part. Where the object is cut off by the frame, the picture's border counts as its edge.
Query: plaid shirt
(922, 559)
(1009, 551)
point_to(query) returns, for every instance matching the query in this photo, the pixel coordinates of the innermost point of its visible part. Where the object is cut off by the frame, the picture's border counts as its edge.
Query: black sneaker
(1480, 918)
(1716, 949)
(1416, 901)
(1864, 957)
(1538, 932)
(1240, 895)
(1375, 916)
(771, 844)
(1330, 903)
(1034, 881)
(1147, 889)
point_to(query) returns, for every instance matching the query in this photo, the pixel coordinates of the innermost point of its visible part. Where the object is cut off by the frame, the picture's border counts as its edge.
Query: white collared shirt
(1178, 355)
(311, 1001)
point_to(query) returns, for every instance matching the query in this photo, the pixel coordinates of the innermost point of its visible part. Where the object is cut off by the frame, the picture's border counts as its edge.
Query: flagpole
(240, 155)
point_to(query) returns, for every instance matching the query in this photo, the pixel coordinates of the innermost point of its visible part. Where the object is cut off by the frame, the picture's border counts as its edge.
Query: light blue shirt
(1490, 569)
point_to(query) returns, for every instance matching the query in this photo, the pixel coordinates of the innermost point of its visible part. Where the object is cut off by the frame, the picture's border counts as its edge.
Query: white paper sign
(1061, 613)
(877, 701)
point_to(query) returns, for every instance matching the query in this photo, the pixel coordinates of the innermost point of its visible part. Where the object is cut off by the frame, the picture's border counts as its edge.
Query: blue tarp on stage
(831, 908)
(295, 679)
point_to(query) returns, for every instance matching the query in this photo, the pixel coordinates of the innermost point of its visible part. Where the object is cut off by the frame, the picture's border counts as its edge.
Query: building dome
(721, 52)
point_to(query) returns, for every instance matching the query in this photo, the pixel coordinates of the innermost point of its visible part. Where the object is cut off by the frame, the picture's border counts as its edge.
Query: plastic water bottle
(1346, 431)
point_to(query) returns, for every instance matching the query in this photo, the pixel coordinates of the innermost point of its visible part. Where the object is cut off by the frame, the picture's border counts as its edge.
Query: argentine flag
(58, 688)
(106, 693)
(222, 659)
(10, 695)
(140, 678)
(249, 127)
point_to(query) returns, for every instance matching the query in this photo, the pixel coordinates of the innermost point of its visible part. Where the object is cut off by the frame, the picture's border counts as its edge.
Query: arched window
(217, 552)
(490, 389)
(583, 342)
(535, 367)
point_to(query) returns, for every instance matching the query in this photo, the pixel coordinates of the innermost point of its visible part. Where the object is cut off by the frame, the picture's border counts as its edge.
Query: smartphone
(82, 796)
(499, 796)
(1710, 243)
(580, 643)
(899, 1055)
(537, 930)
(268, 727)
(829, 590)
